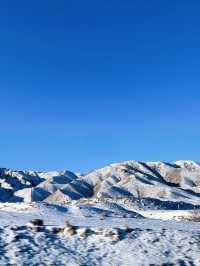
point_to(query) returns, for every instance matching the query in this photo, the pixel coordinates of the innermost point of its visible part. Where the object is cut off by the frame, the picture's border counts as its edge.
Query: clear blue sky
(87, 83)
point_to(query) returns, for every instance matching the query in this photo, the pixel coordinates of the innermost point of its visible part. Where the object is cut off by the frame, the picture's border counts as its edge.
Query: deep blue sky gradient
(87, 83)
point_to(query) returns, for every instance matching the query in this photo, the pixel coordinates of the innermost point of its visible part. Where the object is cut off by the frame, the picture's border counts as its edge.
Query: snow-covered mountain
(177, 182)
(173, 185)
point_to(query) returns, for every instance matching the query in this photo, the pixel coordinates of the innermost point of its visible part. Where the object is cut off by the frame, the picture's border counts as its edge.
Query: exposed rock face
(152, 181)
(178, 181)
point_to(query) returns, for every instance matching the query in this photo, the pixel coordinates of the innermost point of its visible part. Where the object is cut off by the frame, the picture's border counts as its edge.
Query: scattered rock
(82, 232)
(36, 222)
(56, 230)
(69, 231)
(115, 237)
(36, 229)
(128, 229)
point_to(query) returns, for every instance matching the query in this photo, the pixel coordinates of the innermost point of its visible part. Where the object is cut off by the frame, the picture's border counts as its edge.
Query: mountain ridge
(174, 182)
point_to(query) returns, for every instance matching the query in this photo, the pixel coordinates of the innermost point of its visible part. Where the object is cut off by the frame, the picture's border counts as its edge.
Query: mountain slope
(158, 183)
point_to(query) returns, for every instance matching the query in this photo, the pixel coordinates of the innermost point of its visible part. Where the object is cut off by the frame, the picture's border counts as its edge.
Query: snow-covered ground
(140, 247)
(141, 241)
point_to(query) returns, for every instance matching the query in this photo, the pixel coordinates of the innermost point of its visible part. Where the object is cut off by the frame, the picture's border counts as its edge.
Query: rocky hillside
(168, 185)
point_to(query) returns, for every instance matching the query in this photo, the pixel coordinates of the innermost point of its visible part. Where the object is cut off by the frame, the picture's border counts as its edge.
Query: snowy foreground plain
(157, 226)
(150, 242)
